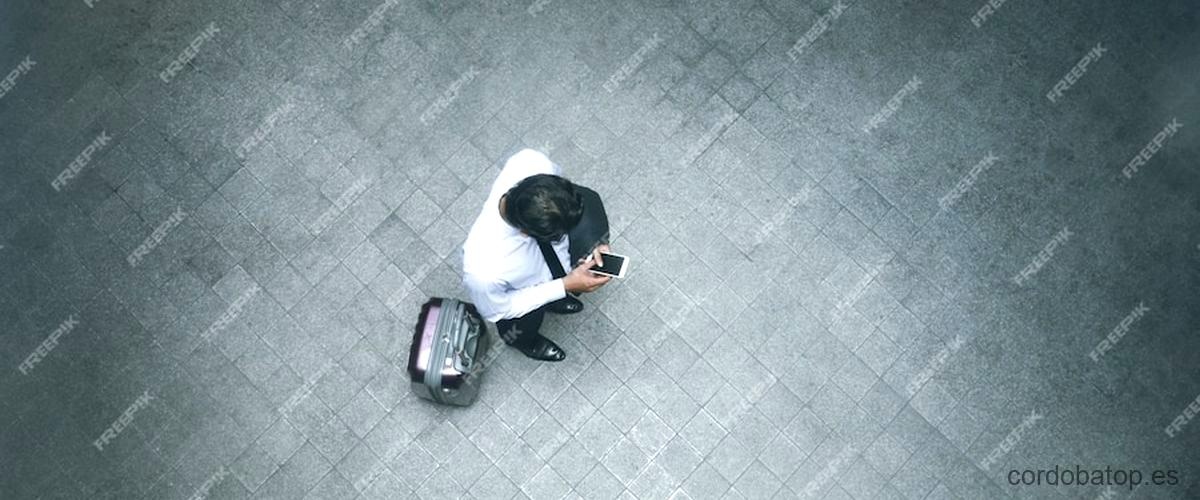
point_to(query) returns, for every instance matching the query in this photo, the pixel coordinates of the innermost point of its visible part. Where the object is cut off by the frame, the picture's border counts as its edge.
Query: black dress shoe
(565, 305)
(541, 349)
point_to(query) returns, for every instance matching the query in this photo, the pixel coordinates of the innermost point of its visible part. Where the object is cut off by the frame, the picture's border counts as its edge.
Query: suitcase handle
(472, 334)
(462, 352)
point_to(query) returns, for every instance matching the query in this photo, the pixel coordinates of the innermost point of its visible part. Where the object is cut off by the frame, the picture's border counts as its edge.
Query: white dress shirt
(504, 271)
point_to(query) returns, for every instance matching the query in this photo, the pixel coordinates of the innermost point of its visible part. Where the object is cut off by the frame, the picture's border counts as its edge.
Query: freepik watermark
(934, 365)
(830, 471)
(373, 21)
(537, 7)
(1118, 332)
(47, 345)
(305, 390)
(965, 184)
(546, 148)
(1076, 73)
(344, 200)
(81, 161)
(1043, 256)
(816, 30)
(989, 8)
(860, 287)
(397, 298)
(202, 492)
(231, 313)
(1108, 494)
(123, 421)
(1189, 412)
(448, 96)
(10, 81)
(632, 63)
(893, 104)
(1014, 437)
(779, 217)
(188, 53)
(746, 402)
(1151, 148)
(156, 237)
(260, 133)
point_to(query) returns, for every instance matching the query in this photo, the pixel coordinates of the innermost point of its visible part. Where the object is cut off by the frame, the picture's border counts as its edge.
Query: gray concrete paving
(877, 247)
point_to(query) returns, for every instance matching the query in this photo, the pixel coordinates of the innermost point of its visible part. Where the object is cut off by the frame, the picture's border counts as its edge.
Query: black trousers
(592, 230)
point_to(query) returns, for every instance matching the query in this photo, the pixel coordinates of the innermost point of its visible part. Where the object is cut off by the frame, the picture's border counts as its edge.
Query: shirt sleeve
(495, 301)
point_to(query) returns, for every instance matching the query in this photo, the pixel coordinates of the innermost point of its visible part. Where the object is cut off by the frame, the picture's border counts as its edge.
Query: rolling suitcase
(447, 351)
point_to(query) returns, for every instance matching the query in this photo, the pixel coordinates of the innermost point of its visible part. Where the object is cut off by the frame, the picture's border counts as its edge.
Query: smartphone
(614, 265)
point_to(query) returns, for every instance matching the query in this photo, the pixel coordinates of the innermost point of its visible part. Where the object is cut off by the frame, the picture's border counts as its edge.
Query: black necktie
(552, 261)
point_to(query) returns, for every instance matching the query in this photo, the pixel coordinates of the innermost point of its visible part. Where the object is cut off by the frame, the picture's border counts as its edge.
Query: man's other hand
(595, 255)
(582, 280)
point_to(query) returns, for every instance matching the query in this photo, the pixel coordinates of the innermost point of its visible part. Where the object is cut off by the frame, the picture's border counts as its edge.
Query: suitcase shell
(448, 345)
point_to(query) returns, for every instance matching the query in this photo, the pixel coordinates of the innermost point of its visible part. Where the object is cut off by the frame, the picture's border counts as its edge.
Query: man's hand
(581, 279)
(595, 255)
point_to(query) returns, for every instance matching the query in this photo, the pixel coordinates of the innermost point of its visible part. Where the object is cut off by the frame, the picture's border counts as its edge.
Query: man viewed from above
(532, 225)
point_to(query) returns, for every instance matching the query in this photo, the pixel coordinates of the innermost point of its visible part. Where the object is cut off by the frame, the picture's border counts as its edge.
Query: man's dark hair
(544, 206)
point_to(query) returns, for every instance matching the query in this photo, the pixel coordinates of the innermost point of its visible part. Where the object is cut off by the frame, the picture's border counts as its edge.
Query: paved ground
(871, 257)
